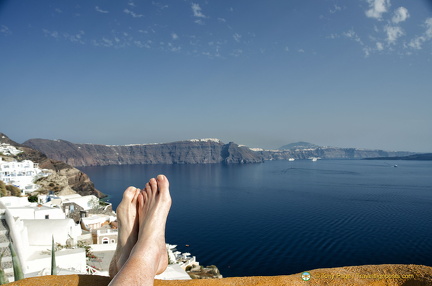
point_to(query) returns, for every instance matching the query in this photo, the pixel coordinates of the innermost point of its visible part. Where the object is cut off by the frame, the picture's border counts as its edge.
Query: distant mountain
(329, 153)
(415, 157)
(196, 151)
(298, 145)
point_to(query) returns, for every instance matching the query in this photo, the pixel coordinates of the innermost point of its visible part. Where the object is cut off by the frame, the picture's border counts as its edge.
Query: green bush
(33, 199)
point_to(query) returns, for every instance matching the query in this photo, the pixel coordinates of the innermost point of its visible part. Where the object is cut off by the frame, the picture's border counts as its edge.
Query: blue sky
(259, 73)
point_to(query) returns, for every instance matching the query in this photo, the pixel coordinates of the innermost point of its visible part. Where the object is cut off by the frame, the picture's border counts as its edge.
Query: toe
(163, 185)
(141, 199)
(130, 193)
(162, 181)
(148, 189)
(153, 185)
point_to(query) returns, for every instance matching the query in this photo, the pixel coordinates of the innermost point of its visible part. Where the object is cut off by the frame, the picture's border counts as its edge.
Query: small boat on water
(291, 159)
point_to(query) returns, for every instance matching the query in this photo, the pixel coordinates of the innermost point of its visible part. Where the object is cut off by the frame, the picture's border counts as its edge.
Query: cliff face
(202, 151)
(64, 178)
(182, 152)
(329, 153)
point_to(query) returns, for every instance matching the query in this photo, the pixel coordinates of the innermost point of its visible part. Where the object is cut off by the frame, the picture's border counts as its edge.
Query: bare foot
(153, 208)
(127, 218)
(149, 255)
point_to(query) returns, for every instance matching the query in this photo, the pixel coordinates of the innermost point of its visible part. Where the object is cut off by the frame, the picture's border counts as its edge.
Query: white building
(23, 209)
(32, 227)
(94, 222)
(182, 259)
(21, 174)
(86, 202)
(9, 150)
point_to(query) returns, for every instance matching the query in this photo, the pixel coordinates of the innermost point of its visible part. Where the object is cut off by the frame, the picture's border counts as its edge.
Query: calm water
(285, 217)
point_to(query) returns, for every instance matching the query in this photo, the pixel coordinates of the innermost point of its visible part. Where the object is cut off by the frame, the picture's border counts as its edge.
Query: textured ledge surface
(377, 275)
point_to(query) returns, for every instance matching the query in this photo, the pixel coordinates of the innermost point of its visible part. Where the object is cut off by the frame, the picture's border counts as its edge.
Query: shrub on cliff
(14, 191)
(3, 191)
(33, 199)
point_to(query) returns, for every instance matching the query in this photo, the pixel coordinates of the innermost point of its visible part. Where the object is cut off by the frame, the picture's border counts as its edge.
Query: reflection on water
(285, 217)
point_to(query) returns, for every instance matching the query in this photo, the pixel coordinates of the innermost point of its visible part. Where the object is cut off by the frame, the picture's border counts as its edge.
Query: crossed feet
(141, 252)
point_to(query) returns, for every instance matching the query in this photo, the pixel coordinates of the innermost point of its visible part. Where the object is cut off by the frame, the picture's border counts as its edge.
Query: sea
(282, 217)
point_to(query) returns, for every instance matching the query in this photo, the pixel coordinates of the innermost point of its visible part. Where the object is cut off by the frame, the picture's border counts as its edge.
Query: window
(47, 216)
(105, 240)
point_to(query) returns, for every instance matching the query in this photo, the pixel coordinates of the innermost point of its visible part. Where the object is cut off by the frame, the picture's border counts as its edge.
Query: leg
(127, 218)
(149, 255)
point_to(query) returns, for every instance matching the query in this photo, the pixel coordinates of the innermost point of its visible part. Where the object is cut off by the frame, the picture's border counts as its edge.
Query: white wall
(54, 213)
(67, 259)
(41, 231)
(22, 213)
(14, 201)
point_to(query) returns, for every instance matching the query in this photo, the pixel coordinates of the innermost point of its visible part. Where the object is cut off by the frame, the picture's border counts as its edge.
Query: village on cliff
(84, 228)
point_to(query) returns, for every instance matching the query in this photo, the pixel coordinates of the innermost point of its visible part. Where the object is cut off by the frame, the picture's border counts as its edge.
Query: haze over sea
(284, 217)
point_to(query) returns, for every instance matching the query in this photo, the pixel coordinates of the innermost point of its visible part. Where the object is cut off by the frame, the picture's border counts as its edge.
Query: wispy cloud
(174, 36)
(237, 53)
(335, 9)
(351, 34)
(237, 37)
(393, 33)
(100, 10)
(159, 5)
(196, 9)
(386, 34)
(132, 13)
(400, 15)
(417, 42)
(5, 30)
(377, 8)
(74, 38)
(53, 34)
(106, 42)
(379, 46)
(428, 25)
(173, 48)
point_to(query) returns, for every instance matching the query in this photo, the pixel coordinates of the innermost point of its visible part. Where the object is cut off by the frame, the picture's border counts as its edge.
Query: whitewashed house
(21, 174)
(32, 227)
(9, 150)
(85, 202)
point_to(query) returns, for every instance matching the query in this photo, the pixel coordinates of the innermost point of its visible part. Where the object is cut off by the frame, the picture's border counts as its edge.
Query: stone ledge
(400, 274)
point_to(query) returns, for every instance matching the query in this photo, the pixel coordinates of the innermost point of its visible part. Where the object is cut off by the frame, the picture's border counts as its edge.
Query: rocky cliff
(329, 153)
(201, 151)
(64, 178)
(416, 157)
